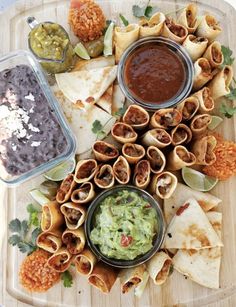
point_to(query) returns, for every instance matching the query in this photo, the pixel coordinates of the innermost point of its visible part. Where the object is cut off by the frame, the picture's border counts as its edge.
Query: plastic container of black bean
(34, 135)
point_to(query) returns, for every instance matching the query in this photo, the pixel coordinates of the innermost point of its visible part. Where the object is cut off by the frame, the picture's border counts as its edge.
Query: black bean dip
(30, 134)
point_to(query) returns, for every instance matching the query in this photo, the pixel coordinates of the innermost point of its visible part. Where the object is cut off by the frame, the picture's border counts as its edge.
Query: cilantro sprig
(23, 236)
(67, 279)
(144, 11)
(227, 53)
(227, 109)
(124, 20)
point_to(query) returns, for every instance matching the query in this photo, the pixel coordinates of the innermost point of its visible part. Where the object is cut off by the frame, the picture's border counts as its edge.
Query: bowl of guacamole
(125, 226)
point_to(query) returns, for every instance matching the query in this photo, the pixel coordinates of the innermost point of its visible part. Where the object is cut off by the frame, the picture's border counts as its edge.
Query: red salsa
(154, 73)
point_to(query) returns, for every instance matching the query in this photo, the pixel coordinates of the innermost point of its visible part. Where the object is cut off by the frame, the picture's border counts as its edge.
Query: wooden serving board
(177, 291)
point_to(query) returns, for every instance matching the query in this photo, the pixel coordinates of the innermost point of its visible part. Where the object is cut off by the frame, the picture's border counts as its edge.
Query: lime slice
(61, 171)
(81, 51)
(215, 122)
(197, 180)
(39, 197)
(108, 40)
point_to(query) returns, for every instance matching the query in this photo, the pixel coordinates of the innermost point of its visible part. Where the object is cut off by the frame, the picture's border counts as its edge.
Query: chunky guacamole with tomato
(124, 226)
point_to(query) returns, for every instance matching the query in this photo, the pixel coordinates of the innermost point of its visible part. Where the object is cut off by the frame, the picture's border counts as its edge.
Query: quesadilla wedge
(191, 229)
(85, 87)
(105, 101)
(202, 266)
(99, 62)
(181, 194)
(81, 122)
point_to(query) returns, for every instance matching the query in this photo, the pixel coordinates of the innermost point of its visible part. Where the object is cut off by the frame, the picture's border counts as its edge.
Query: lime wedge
(61, 171)
(215, 122)
(39, 197)
(197, 180)
(81, 51)
(108, 40)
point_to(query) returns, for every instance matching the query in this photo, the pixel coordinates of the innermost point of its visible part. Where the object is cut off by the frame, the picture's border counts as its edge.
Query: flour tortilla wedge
(105, 101)
(99, 62)
(85, 87)
(181, 194)
(202, 266)
(191, 229)
(81, 122)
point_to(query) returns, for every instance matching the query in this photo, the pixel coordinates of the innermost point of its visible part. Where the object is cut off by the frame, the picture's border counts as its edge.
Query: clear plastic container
(27, 147)
(182, 55)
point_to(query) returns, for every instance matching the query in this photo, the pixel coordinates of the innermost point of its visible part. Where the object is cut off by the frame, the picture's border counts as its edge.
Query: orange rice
(35, 274)
(86, 19)
(225, 164)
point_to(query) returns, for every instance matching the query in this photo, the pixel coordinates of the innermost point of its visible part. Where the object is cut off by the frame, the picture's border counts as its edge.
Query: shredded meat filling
(59, 262)
(133, 151)
(208, 101)
(190, 18)
(201, 122)
(164, 271)
(177, 30)
(188, 109)
(156, 160)
(205, 66)
(65, 187)
(180, 135)
(72, 215)
(170, 118)
(47, 242)
(184, 155)
(105, 149)
(47, 217)
(123, 131)
(142, 172)
(83, 264)
(121, 171)
(216, 55)
(72, 242)
(96, 281)
(162, 136)
(164, 184)
(85, 170)
(129, 284)
(105, 177)
(135, 117)
(82, 193)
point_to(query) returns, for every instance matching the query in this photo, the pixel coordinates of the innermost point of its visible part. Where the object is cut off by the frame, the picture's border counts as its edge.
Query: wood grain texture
(177, 291)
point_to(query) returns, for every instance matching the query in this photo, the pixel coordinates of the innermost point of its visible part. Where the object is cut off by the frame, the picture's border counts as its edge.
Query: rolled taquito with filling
(74, 240)
(66, 188)
(104, 151)
(156, 137)
(181, 134)
(180, 157)
(220, 84)
(208, 27)
(188, 107)
(84, 194)
(202, 73)
(195, 46)
(152, 26)
(122, 170)
(74, 215)
(164, 184)
(156, 158)
(52, 218)
(85, 170)
(166, 118)
(142, 174)
(50, 241)
(214, 54)
(133, 152)
(174, 31)
(158, 267)
(105, 178)
(124, 37)
(123, 133)
(131, 278)
(203, 149)
(136, 116)
(199, 124)
(188, 18)
(206, 102)
(85, 262)
(61, 260)
(103, 277)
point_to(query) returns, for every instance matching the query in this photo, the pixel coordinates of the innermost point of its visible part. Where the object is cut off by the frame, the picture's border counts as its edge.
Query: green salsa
(50, 41)
(124, 226)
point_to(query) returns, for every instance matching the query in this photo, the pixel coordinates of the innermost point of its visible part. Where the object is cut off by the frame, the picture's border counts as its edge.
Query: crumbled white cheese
(11, 97)
(30, 97)
(32, 128)
(14, 147)
(35, 144)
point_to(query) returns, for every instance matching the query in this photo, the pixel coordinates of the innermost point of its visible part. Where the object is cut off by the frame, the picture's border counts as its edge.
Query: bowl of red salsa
(156, 73)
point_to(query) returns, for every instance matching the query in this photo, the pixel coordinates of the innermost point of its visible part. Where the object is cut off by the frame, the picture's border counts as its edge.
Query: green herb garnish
(227, 53)
(144, 11)
(124, 20)
(171, 269)
(33, 215)
(67, 279)
(227, 110)
(98, 129)
(120, 112)
(232, 94)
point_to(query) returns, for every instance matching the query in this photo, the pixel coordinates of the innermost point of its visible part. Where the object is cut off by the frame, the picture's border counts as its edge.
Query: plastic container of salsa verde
(157, 240)
(177, 50)
(34, 134)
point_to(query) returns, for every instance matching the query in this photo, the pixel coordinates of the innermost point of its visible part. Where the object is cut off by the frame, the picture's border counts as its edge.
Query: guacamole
(124, 226)
(50, 41)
